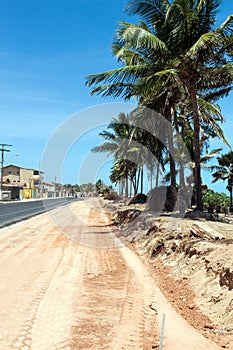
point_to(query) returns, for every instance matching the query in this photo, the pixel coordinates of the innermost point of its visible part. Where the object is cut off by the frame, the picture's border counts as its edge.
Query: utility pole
(3, 150)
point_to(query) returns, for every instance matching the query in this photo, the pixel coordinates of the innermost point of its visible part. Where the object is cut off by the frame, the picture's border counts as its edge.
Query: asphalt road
(13, 212)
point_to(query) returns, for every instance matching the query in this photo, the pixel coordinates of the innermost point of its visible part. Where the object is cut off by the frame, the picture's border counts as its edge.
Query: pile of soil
(195, 274)
(163, 198)
(139, 198)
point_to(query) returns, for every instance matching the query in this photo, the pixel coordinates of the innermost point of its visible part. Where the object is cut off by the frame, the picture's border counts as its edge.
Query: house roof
(20, 185)
(48, 183)
(19, 167)
(11, 165)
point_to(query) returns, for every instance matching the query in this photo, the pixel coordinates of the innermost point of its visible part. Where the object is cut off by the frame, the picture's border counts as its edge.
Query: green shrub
(211, 197)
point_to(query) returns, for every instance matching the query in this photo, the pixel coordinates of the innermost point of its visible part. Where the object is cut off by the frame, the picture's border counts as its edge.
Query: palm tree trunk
(180, 148)
(182, 178)
(126, 187)
(126, 181)
(168, 115)
(229, 187)
(134, 181)
(151, 178)
(142, 179)
(197, 155)
(137, 185)
(121, 187)
(231, 202)
(157, 175)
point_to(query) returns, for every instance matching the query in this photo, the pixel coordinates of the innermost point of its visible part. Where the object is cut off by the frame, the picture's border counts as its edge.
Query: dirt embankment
(194, 273)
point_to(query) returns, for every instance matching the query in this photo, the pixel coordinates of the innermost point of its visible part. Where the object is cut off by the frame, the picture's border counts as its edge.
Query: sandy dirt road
(66, 282)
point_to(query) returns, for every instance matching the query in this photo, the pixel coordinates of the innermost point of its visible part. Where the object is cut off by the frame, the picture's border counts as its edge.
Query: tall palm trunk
(197, 149)
(138, 179)
(151, 178)
(157, 175)
(231, 201)
(126, 183)
(130, 188)
(182, 177)
(229, 187)
(168, 115)
(134, 182)
(180, 147)
(142, 179)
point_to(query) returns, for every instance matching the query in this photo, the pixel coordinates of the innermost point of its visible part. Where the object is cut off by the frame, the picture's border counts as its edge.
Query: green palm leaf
(207, 39)
(137, 37)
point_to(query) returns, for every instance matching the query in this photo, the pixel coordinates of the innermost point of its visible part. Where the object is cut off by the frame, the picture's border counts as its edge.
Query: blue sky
(47, 48)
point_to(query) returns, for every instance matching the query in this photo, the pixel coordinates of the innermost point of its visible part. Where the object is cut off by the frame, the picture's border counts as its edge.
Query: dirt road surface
(66, 282)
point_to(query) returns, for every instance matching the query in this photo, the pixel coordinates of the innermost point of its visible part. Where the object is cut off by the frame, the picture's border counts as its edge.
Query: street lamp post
(9, 160)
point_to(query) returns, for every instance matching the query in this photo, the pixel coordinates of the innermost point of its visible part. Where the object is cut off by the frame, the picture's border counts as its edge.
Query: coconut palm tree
(174, 42)
(195, 45)
(117, 142)
(121, 171)
(224, 171)
(132, 148)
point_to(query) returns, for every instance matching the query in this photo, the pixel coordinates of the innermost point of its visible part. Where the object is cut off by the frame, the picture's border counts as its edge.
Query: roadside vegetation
(176, 63)
(213, 200)
(89, 188)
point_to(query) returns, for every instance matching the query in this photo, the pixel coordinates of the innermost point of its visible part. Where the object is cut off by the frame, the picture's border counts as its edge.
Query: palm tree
(117, 142)
(175, 43)
(195, 44)
(225, 172)
(126, 143)
(121, 171)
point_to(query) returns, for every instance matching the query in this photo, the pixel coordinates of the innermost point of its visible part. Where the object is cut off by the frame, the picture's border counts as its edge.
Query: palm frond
(210, 109)
(207, 157)
(152, 11)
(207, 39)
(227, 26)
(107, 135)
(106, 147)
(220, 93)
(138, 36)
